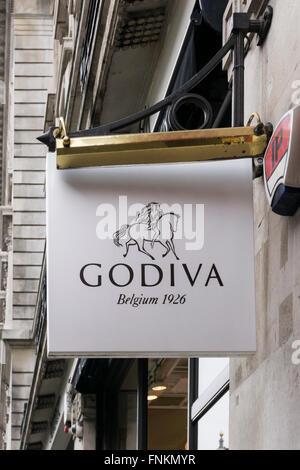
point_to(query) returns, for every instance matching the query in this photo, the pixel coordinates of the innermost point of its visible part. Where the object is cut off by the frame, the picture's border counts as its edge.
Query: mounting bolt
(66, 141)
(259, 129)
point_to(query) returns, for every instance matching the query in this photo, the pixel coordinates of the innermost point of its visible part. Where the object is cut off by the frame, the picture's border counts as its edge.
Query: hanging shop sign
(150, 260)
(281, 165)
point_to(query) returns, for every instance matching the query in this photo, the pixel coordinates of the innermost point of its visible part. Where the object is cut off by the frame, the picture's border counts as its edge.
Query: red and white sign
(277, 154)
(282, 165)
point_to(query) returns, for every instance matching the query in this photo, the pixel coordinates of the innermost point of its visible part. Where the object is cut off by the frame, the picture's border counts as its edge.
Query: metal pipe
(142, 405)
(238, 80)
(223, 109)
(193, 395)
(189, 85)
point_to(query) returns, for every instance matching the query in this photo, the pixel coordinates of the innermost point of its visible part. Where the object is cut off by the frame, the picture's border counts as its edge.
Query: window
(210, 411)
(214, 422)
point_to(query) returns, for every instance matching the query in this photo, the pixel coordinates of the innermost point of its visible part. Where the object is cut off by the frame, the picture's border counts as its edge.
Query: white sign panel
(150, 260)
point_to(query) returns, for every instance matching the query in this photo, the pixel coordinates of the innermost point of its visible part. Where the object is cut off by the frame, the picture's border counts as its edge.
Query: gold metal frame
(165, 147)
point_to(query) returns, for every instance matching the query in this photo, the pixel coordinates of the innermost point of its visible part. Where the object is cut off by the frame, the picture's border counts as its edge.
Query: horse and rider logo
(151, 226)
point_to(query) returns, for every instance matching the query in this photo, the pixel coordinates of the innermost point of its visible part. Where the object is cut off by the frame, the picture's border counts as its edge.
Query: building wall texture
(33, 58)
(265, 388)
(29, 64)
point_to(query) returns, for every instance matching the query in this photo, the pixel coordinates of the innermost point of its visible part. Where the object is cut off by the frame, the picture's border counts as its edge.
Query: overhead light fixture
(152, 397)
(158, 387)
(156, 383)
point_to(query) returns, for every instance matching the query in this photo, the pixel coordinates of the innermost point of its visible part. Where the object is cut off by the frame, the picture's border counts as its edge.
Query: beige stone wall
(265, 388)
(30, 72)
(33, 64)
(41, 7)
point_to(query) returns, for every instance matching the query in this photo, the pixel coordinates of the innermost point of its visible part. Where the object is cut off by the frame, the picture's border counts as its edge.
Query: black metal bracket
(242, 24)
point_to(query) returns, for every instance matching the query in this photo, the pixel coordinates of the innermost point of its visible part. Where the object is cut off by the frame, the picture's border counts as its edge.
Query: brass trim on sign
(165, 147)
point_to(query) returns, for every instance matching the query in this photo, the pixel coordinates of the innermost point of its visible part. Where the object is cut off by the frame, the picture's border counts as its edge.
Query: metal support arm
(241, 26)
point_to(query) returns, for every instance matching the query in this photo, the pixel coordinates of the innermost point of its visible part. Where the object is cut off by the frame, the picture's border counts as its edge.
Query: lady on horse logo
(145, 228)
(151, 226)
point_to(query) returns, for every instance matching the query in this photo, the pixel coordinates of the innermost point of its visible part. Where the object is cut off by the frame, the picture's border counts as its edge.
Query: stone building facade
(28, 57)
(265, 388)
(66, 58)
